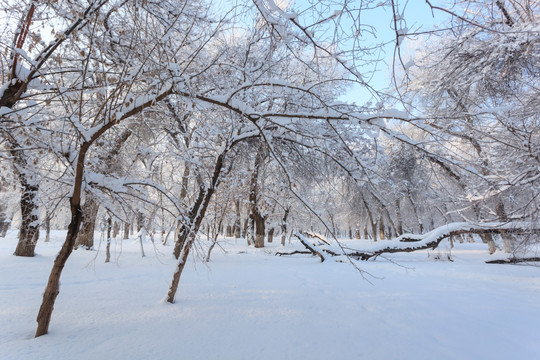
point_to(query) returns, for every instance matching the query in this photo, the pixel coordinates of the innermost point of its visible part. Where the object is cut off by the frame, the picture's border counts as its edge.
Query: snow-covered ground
(249, 304)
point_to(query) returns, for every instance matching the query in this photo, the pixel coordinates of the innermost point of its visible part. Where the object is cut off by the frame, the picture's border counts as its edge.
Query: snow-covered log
(430, 240)
(513, 260)
(314, 249)
(414, 242)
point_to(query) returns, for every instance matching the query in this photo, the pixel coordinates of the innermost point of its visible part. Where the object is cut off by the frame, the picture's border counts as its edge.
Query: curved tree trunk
(53, 285)
(192, 224)
(186, 237)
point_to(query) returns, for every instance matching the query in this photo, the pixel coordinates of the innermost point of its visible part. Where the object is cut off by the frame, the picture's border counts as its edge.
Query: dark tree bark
(4, 225)
(29, 230)
(85, 238)
(116, 229)
(259, 229)
(271, 235)
(258, 219)
(371, 220)
(126, 231)
(53, 285)
(191, 225)
(140, 221)
(399, 219)
(415, 212)
(245, 228)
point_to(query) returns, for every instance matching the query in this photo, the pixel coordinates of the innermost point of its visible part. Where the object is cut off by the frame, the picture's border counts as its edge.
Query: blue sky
(416, 14)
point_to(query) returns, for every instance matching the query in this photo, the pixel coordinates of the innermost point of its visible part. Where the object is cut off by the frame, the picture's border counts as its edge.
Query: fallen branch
(414, 242)
(294, 252)
(513, 260)
(316, 236)
(311, 247)
(432, 239)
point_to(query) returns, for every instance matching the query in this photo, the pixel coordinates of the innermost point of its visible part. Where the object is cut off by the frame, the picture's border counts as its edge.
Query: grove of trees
(173, 118)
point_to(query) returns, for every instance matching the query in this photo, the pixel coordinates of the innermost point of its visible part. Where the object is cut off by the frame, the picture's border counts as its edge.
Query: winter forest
(186, 145)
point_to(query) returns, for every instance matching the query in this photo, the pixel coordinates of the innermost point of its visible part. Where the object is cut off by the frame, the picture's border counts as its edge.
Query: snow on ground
(249, 304)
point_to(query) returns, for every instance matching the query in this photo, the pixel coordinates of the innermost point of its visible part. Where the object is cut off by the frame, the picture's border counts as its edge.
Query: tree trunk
(53, 285)
(245, 228)
(415, 211)
(220, 228)
(140, 221)
(284, 226)
(4, 225)
(488, 239)
(356, 232)
(90, 210)
(196, 214)
(508, 239)
(29, 230)
(381, 228)
(251, 232)
(190, 227)
(259, 230)
(371, 220)
(271, 235)
(108, 248)
(399, 219)
(47, 224)
(126, 231)
(237, 220)
(256, 215)
(116, 230)
(142, 233)
(183, 256)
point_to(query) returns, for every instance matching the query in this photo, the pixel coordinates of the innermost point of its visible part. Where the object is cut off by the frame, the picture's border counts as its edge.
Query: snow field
(249, 304)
